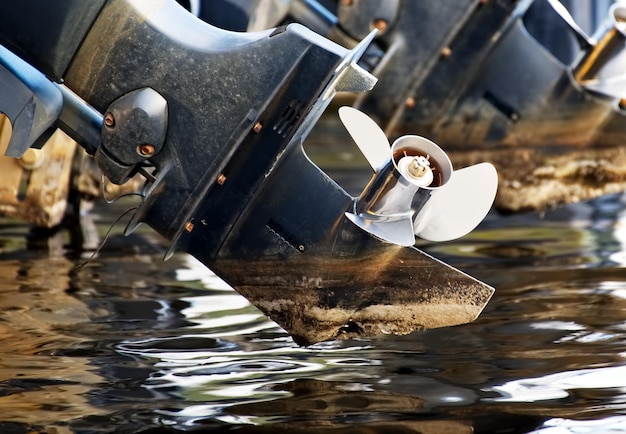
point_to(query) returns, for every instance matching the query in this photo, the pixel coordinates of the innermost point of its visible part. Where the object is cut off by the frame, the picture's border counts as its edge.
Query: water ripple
(558, 386)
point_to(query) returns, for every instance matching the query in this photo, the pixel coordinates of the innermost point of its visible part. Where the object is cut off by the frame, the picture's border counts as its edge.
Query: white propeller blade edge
(459, 206)
(367, 135)
(582, 37)
(399, 232)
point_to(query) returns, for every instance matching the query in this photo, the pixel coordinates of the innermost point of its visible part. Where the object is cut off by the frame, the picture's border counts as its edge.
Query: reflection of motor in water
(36, 312)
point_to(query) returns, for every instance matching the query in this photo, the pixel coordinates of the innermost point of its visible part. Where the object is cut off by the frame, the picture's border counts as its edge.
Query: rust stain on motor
(392, 291)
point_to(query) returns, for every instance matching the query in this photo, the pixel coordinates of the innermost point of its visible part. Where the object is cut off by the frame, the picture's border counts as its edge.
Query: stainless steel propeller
(583, 39)
(415, 191)
(602, 70)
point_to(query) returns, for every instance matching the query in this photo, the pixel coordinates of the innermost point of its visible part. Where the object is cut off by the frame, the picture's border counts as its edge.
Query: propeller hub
(418, 169)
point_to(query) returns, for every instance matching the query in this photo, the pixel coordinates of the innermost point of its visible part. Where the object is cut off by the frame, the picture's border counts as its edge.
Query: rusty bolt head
(257, 127)
(410, 102)
(380, 24)
(189, 226)
(347, 2)
(446, 52)
(221, 179)
(112, 189)
(109, 120)
(145, 150)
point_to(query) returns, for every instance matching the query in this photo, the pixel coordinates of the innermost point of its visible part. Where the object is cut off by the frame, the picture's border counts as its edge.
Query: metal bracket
(30, 101)
(134, 130)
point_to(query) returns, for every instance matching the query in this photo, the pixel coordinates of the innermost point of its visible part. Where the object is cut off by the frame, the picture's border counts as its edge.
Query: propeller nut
(417, 169)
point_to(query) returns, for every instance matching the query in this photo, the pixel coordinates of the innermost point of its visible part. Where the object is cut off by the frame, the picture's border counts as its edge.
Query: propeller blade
(583, 39)
(613, 87)
(399, 231)
(367, 135)
(459, 206)
(603, 72)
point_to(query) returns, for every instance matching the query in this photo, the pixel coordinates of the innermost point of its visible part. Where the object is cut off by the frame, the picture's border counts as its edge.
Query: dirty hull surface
(386, 290)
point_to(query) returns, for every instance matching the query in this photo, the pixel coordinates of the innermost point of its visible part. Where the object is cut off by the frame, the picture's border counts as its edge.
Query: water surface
(129, 343)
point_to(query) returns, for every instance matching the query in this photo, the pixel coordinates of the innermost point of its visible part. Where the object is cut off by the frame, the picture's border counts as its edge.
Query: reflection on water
(130, 343)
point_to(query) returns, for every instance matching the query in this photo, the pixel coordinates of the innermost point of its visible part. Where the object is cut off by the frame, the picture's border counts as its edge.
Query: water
(132, 344)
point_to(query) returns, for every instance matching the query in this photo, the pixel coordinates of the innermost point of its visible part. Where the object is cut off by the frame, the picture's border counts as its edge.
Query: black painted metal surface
(47, 34)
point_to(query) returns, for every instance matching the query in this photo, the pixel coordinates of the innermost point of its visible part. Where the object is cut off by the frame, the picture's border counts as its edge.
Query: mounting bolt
(446, 52)
(410, 102)
(32, 159)
(109, 120)
(347, 2)
(221, 179)
(189, 226)
(145, 150)
(112, 189)
(380, 24)
(257, 127)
